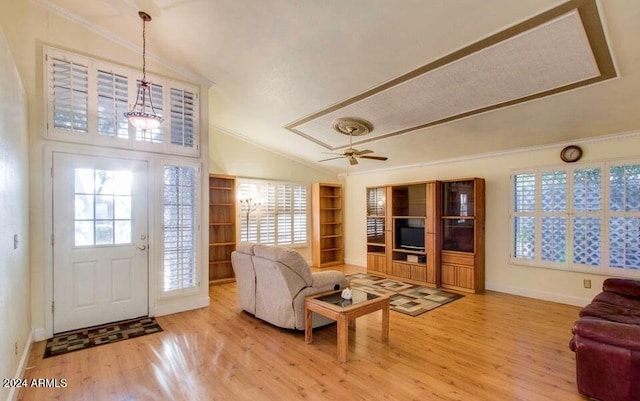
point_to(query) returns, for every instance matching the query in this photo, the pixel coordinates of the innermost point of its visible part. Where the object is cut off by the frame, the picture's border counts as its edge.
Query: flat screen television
(410, 238)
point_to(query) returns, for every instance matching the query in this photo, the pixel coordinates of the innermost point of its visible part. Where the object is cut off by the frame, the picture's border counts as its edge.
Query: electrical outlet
(16, 348)
(587, 283)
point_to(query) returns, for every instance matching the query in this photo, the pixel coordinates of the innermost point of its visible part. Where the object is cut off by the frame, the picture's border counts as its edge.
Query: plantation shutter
(182, 117)
(267, 213)
(112, 104)
(89, 96)
(299, 214)
(285, 215)
(69, 85)
(180, 194)
(524, 220)
(281, 218)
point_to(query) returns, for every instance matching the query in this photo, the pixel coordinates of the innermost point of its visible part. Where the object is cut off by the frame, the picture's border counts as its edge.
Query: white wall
(28, 27)
(15, 316)
(554, 285)
(234, 156)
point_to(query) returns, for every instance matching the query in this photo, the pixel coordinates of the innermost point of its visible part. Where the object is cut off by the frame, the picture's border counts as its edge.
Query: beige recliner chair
(272, 282)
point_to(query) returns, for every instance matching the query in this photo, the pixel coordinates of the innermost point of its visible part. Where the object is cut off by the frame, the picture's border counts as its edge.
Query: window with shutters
(180, 227)
(273, 213)
(584, 218)
(87, 99)
(70, 94)
(112, 104)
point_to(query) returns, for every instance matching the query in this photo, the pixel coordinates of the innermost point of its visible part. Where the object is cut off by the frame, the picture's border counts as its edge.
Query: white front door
(100, 251)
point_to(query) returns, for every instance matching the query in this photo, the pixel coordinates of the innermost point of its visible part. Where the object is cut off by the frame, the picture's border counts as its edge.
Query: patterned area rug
(406, 298)
(75, 340)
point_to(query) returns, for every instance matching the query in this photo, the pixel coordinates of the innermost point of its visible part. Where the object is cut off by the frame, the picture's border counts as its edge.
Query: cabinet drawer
(458, 258)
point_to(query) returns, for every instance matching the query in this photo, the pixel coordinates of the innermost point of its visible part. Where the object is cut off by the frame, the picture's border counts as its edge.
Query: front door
(100, 248)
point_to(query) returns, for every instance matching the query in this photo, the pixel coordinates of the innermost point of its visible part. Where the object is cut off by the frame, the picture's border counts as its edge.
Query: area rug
(76, 340)
(410, 299)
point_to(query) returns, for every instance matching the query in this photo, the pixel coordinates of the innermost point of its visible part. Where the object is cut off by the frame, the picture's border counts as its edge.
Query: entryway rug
(76, 340)
(410, 299)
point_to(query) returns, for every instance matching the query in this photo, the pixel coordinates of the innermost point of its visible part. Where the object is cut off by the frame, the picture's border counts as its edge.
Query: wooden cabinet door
(465, 277)
(448, 275)
(401, 270)
(376, 263)
(418, 273)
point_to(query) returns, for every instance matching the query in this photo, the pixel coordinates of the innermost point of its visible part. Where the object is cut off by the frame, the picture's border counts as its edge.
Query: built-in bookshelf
(401, 227)
(328, 241)
(462, 264)
(222, 227)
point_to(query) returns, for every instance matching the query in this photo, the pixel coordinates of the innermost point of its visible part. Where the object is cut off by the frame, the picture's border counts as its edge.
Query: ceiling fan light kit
(353, 127)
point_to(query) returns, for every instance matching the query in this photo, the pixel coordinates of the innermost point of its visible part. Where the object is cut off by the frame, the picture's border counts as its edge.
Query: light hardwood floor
(491, 346)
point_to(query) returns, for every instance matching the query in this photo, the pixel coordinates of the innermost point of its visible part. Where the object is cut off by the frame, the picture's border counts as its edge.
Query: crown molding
(556, 145)
(271, 150)
(54, 8)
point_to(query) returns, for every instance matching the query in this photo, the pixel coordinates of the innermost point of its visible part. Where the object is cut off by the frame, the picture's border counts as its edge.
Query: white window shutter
(69, 86)
(112, 104)
(182, 117)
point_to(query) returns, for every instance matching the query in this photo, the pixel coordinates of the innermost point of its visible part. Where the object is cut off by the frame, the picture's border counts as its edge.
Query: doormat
(76, 340)
(410, 299)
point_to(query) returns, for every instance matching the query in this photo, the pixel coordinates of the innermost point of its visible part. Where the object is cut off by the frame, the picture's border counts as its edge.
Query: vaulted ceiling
(437, 79)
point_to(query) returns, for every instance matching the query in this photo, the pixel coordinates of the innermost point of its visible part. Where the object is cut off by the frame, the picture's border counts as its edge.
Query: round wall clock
(571, 153)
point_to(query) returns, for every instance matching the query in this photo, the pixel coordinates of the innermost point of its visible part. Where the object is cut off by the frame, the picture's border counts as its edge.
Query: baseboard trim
(357, 262)
(181, 306)
(543, 295)
(39, 334)
(13, 391)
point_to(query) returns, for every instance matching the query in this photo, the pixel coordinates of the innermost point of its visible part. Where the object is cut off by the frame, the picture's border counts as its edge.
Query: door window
(102, 207)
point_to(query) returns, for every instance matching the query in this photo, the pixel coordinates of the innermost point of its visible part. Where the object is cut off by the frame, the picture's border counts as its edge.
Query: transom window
(273, 213)
(584, 218)
(102, 207)
(87, 99)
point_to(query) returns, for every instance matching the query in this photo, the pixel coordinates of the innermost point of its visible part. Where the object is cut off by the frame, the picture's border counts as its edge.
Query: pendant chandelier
(142, 115)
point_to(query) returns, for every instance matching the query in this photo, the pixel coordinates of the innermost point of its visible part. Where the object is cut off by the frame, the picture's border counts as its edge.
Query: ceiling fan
(351, 127)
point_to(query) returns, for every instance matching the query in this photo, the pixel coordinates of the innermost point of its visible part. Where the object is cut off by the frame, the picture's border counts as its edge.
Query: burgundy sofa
(606, 341)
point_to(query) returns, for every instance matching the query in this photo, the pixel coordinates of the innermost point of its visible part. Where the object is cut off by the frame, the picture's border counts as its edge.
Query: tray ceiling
(559, 50)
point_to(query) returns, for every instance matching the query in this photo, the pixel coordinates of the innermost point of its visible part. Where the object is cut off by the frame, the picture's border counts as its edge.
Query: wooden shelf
(222, 227)
(328, 241)
(462, 235)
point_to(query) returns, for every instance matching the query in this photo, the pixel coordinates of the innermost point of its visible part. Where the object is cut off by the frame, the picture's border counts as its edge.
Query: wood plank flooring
(482, 347)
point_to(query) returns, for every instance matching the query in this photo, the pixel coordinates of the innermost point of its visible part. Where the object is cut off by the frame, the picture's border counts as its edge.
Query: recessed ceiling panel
(559, 50)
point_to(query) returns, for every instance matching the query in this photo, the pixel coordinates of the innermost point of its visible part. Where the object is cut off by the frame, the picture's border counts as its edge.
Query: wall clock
(571, 153)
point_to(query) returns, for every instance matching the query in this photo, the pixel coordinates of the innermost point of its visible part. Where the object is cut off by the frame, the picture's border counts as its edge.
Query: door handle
(142, 248)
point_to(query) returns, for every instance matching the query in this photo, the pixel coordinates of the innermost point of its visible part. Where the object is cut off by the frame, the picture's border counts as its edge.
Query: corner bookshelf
(328, 241)
(222, 227)
(462, 256)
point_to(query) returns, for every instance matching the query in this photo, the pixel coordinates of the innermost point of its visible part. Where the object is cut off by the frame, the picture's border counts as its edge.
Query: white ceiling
(277, 61)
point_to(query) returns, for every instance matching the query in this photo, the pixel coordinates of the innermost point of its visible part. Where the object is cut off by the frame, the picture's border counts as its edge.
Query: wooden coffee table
(344, 312)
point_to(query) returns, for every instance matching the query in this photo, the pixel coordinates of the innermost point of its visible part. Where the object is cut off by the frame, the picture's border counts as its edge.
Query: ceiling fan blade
(332, 153)
(363, 152)
(353, 161)
(375, 157)
(331, 158)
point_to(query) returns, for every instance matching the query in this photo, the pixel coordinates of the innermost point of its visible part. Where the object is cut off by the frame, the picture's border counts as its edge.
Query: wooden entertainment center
(430, 233)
